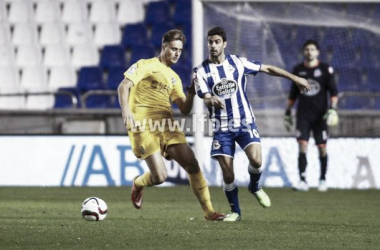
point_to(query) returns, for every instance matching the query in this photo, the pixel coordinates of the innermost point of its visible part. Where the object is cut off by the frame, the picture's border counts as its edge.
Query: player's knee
(322, 150)
(302, 146)
(228, 177)
(255, 162)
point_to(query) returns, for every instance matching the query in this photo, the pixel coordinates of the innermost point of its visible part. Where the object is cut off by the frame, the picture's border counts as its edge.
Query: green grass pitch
(171, 218)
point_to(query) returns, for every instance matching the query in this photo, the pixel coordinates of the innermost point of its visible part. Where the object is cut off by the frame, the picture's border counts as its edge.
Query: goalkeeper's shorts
(319, 128)
(145, 143)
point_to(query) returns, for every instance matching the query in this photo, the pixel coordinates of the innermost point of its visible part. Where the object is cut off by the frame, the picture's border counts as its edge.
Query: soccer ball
(94, 209)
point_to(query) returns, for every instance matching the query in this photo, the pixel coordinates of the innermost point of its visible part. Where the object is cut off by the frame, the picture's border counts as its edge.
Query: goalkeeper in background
(314, 112)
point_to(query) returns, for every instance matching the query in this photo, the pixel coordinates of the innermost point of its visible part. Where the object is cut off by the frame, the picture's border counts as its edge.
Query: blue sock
(231, 191)
(255, 174)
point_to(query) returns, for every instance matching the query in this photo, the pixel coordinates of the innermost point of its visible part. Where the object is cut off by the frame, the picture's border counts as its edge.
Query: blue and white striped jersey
(227, 81)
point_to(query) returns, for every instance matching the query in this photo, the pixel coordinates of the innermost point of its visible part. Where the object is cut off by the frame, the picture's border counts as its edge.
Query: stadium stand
(67, 38)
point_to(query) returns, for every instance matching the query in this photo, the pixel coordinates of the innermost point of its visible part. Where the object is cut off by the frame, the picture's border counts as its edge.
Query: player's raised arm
(123, 92)
(301, 83)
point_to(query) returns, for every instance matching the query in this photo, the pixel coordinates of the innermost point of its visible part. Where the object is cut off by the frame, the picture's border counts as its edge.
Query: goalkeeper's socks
(323, 161)
(302, 162)
(231, 191)
(255, 174)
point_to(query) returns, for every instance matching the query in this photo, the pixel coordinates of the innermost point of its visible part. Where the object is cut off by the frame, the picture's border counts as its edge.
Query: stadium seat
(9, 78)
(40, 102)
(370, 57)
(52, 33)
(79, 33)
(90, 78)
(20, 12)
(34, 79)
(335, 36)
(65, 101)
(56, 55)
(7, 56)
(305, 33)
(107, 34)
(74, 12)
(344, 57)
(361, 10)
(28, 56)
(112, 56)
(158, 30)
(85, 55)
(134, 34)
(364, 38)
(373, 82)
(47, 11)
(355, 102)
(3, 11)
(350, 79)
(64, 76)
(5, 33)
(99, 101)
(183, 72)
(115, 76)
(102, 11)
(25, 34)
(157, 12)
(377, 103)
(130, 11)
(142, 52)
(182, 14)
(275, 10)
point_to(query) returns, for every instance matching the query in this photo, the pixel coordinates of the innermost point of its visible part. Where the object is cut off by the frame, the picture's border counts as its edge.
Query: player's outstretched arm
(123, 92)
(185, 104)
(301, 83)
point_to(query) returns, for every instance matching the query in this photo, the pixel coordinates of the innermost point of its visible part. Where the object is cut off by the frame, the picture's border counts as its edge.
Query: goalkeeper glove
(331, 117)
(288, 120)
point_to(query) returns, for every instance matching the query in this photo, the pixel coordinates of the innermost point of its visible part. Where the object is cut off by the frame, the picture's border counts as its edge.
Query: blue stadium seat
(335, 36)
(115, 76)
(364, 38)
(370, 57)
(183, 72)
(142, 52)
(90, 78)
(157, 12)
(349, 79)
(376, 13)
(373, 75)
(134, 34)
(182, 14)
(186, 29)
(99, 101)
(377, 103)
(65, 101)
(158, 30)
(113, 56)
(359, 9)
(305, 33)
(344, 57)
(356, 102)
(275, 10)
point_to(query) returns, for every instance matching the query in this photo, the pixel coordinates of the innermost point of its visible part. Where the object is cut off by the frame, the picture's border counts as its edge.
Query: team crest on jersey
(317, 73)
(225, 88)
(315, 87)
(215, 145)
(132, 69)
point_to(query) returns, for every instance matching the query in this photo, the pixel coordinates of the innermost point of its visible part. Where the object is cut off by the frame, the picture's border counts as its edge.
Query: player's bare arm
(213, 101)
(301, 83)
(123, 92)
(334, 102)
(185, 104)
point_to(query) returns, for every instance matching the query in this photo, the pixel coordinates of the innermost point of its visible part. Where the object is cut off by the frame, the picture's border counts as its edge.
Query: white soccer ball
(94, 209)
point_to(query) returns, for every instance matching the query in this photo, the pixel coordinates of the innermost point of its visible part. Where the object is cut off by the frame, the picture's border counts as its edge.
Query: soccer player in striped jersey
(221, 81)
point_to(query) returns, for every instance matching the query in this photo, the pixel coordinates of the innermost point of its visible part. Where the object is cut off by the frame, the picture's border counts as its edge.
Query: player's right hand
(288, 120)
(302, 84)
(216, 102)
(129, 121)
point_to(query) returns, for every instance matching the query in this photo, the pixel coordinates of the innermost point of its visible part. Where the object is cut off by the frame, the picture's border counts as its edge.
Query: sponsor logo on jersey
(132, 69)
(225, 88)
(315, 88)
(317, 73)
(215, 145)
(173, 81)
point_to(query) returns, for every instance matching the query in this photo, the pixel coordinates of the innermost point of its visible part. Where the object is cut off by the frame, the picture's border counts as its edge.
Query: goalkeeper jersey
(227, 81)
(314, 104)
(155, 87)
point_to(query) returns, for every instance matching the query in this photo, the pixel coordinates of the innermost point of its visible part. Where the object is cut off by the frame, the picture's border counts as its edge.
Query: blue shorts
(224, 141)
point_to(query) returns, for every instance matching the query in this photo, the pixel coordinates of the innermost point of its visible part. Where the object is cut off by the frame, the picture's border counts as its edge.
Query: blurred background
(61, 62)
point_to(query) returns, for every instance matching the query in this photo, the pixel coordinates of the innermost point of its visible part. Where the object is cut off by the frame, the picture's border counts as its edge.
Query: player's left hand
(302, 84)
(331, 117)
(191, 88)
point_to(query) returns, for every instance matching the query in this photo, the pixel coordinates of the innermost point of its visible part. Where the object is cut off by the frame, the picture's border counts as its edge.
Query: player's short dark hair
(217, 31)
(310, 41)
(173, 35)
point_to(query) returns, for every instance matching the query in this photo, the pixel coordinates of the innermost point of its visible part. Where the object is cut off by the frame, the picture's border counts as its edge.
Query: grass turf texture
(49, 218)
